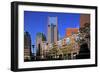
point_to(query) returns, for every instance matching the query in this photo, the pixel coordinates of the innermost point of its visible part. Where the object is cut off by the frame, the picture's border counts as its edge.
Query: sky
(35, 22)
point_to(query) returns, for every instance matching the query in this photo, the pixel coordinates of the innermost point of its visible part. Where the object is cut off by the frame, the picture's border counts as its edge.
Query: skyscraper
(40, 37)
(27, 46)
(52, 30)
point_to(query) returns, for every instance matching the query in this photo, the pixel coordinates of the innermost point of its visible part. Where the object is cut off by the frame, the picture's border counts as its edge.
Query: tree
(84, 42)
(84, 34)
(55, 51)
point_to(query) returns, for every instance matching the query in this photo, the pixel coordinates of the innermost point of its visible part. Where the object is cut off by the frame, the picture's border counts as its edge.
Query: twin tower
(52, 34)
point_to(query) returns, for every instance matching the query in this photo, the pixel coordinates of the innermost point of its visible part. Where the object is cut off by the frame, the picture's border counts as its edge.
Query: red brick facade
(84, 18)
(70, 31)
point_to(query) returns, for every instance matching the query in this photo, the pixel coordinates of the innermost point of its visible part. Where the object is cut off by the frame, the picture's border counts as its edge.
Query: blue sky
(35, 22)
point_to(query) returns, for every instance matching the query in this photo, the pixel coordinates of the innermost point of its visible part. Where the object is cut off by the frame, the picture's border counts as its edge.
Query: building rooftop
(70, 31)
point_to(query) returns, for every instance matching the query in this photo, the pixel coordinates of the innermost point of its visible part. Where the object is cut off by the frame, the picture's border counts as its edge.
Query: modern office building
(40, 38)
(52, 30)
(27, 46)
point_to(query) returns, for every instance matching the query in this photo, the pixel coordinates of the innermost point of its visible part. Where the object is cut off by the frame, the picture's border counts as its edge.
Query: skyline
(35, 22)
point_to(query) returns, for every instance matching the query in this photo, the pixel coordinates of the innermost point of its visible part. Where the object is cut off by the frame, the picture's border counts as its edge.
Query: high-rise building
(40, 37)
(27, 46)
(52, 30)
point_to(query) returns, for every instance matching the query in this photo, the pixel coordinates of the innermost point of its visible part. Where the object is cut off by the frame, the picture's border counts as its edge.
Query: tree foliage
(84, 33)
